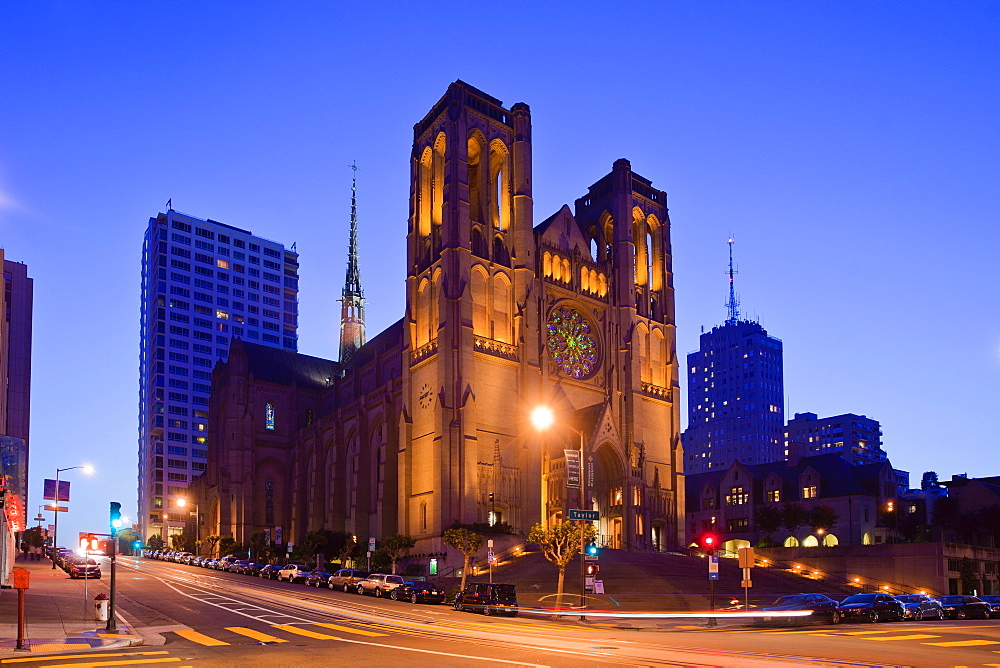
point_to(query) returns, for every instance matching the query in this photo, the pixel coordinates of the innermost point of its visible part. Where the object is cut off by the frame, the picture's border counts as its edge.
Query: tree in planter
(228, 545)
(396, 546)
(155, 542)
(559, 543)
(347, 551)
(822, 518)
(183, 542)
(212, 541)
(793, 516)
(768, 519)
(468, 543)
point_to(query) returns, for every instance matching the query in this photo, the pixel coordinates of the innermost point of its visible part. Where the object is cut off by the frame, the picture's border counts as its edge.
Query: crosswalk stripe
(915, 636)
(861, 633)
(129, 662)
(348, 629)
(200, 638)
(81, 656)
(256, 635)
(963, 643)
(304, 632)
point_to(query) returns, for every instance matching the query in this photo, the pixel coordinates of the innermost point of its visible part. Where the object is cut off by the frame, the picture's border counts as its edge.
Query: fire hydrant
(101, 607)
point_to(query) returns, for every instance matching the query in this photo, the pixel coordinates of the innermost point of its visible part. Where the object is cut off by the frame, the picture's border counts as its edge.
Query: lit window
(221, 314)
(774, 495)
(269, 415)
(222, 264)
(809, 492)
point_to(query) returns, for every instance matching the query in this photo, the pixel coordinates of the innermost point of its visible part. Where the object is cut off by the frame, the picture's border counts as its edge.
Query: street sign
(371, 544)
(746, 583)
(61, 509)
(490, 556)
(590, 557)
(713, 567)
(572, 468)
(598, 586)
(713, 576)
(588, 515)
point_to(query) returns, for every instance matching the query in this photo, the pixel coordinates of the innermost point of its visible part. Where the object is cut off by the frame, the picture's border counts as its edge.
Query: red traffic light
(592, 569)
(708, 541)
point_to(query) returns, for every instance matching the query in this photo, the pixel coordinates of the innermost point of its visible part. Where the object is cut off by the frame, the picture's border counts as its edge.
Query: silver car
(379, 584)
(921, 606)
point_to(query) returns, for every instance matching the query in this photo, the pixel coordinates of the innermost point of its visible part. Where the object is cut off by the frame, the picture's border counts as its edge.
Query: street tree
(793, 516)
(467, 542)
(347, 551)
(396, 546)
(228, 545)
(560, 543)
(768, 519)
(259, 545)
(822, 518)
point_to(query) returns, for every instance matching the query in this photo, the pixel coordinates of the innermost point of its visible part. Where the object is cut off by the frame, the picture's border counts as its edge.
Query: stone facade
(428, 423)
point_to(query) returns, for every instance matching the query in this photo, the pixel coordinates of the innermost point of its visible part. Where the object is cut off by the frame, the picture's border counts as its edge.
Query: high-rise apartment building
(735, 395)
(203, 283)
(856, 438)
(16, 298)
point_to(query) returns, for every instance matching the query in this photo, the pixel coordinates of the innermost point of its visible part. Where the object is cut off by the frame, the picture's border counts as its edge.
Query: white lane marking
(259, 617)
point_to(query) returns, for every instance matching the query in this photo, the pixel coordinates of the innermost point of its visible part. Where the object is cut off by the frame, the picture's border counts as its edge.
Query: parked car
(224, 563)
(379, 584)
(181, 557)
(417, 592)
(294, 572)
(962, 606)
(994, 602)
(347, 579)
(871, 608)
(252, 568)
(921, 606)
(823, 608)
(238, 566)
(488, 598)
(80, 567)
(317, 579)
(269, 572)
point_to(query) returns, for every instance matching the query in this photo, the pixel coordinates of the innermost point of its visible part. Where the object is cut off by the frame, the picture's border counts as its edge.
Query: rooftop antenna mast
(734, 302)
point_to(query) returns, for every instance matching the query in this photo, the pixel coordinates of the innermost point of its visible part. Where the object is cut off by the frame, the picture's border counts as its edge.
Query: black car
(963, 606)
(871, 608)
(269, 572)
(317, 579)
(823, 609)
(417, 592)
(487, 598)
(252, 568)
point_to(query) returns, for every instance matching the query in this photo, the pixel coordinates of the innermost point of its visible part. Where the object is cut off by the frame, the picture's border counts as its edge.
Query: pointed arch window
(269, 415)
(269, 501)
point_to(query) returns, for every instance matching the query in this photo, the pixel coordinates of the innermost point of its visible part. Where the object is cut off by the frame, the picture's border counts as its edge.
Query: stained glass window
(269, 415)
(571, 343)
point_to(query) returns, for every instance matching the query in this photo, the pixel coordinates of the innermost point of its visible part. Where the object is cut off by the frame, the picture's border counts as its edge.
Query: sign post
(713, 575)
(746, 558)
(21, 577)
(490, 555)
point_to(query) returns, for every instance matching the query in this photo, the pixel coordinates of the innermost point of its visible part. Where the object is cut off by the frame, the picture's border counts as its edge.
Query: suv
(294, 572)
(489, 598)
(378, 584)
(347, 579)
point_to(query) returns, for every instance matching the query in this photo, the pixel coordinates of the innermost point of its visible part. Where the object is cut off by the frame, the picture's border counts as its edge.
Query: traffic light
(708, 542)
(590, 548)
(592, 569)
(89, 542)
(116, 515)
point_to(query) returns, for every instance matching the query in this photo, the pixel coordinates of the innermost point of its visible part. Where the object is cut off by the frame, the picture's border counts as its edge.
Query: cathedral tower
(352, 309)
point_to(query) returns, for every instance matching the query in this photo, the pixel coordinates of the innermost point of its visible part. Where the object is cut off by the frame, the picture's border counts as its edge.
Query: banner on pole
(572, 468)
(49, 490)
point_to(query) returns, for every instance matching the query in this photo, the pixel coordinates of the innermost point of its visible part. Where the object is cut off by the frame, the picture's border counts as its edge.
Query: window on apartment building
(809, 492)
(774, 495)
(737, 497)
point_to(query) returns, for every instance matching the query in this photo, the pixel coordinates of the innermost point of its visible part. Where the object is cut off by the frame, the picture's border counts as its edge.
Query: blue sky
(850, 148)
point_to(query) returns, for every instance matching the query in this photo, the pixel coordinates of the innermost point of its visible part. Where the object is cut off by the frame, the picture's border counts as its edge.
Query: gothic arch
(657, 366)
(437, 182)
(609, 495)
(476, 174)
(502, 309)
(642, 339)
(480, 301)
(424, 193)
(607, 222)
(330, 473)
(423, 326)
(499, 185)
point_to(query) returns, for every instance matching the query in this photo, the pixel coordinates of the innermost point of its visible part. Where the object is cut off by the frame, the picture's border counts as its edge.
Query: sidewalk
(57, 617)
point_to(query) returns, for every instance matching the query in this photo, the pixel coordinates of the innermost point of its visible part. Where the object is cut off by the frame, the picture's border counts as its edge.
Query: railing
(656, 391)
(424, 351)
(862, 583)
(496, 348)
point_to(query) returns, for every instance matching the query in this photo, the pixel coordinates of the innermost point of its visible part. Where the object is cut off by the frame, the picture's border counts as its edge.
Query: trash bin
(101, 603)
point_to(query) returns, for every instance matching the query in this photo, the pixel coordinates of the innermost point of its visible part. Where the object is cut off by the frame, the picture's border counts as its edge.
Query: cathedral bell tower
(470, 262)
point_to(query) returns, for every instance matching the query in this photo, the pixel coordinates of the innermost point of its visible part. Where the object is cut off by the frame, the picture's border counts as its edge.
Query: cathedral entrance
(607, 470)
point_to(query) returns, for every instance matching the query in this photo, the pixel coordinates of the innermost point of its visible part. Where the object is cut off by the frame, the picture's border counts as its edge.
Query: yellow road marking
(114, 635)
(861, 633)
(348, 629)
(915, 636)
(394, 629)
(200, 638)
(963, 643)
(304, 632)
(129, 662)
(256, 635)
(81, 656)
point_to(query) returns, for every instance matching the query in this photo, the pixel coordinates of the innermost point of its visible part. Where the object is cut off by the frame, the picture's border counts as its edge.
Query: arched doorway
(608, 495)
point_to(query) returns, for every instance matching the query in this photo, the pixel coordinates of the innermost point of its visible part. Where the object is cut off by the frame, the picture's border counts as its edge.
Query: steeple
(352, 309)
(734, 303)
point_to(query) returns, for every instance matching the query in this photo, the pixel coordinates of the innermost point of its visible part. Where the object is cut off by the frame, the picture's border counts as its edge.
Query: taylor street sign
(588, 515)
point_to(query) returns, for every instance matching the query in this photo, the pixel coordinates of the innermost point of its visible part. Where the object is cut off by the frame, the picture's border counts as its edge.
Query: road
(192, 616)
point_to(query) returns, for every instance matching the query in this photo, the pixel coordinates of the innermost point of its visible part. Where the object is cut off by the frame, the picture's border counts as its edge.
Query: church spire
(352, 310)
(734, 303)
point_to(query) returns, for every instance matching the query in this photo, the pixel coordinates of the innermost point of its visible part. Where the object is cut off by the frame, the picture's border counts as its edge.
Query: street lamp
(88, 469)
(182, 502)
(542, 418)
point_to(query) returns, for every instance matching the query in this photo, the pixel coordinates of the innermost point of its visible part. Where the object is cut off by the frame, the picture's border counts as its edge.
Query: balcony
(496, 348)
(425, 351)
(656, 392)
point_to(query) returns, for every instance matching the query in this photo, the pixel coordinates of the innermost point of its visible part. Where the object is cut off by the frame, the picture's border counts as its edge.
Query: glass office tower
(203, 282)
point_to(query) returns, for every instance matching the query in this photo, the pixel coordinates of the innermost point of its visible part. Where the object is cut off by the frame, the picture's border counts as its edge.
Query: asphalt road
(193, 616)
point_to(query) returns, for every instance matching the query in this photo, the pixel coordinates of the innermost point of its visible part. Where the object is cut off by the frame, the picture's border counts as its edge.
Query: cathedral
(428, 423)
